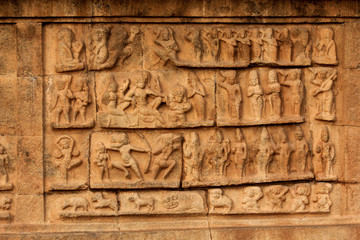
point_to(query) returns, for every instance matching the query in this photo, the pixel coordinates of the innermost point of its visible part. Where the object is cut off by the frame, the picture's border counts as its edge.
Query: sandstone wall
(179, 119)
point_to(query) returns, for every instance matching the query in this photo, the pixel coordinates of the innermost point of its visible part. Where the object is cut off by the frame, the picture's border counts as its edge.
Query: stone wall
(179, 119)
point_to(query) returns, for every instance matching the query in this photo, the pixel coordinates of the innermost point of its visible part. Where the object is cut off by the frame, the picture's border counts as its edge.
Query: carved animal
(5, 203)
(76, 203)
(142, 202)
(217, 199)
(101, 202)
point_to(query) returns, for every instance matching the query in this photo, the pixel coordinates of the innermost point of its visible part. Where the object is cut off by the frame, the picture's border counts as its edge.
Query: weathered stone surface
(179, 119)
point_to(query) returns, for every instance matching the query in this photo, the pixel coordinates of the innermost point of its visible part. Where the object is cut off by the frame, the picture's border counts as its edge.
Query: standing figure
(240, 151)
(301, 152)
(276, 195)
(324, 156)
(4, 161)
(211, 45)
(166, 47)
(255, 93)
(194, 155)
(138, 96)
(68, 52)
(324, 94)
(111, 99)
(218, 153)
(227, 46)
(166, 145)
(102, 160)
(62, 97)
(265, 153)
(243, 46)
(293, 81)
(82, 99)
(256, 44)
(285, 46)
(324, 49)
(64, 153)
(270, 46)
(121, 143)
(284, 150)
(251, 197)
(273, 91)
(233, 91)
(196, 91)
(178, 105)
(194, 37)
(302, 45)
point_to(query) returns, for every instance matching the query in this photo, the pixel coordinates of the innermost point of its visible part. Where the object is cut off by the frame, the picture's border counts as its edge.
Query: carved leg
(171, 166)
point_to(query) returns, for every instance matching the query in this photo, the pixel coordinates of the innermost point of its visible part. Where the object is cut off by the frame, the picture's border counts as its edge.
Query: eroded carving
(251, 197)
(255, 93)
(300, 194)
(217, 199)
(70, 107)
(5, 183)
(239, 149)
(194, 156)
(324, 159)
(101, 202)
(218, 153)
(5, 207)
(233, 91)
(324, 48)
(166, 47)
(68, 52)
(276, 196)
(322, 196)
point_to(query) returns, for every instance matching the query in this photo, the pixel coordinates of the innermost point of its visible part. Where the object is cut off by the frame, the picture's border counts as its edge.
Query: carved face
(99, 34)
(165, 34)
(100, 147)
(65, 35)
(299, 134)
(239, 135)
(254, 78)
(218, 137)
(64, 143)
(325, 134)
(60, 84)
(216, 193)
(269, 32)
(121, 139)
(322, 75)
(179, 93)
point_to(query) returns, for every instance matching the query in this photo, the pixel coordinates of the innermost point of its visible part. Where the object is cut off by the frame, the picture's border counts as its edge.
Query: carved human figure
(178, 104)
(243, 46)
(322, 196)
(301, 152)
(324, 94)
(264, 154)
(68, 51)
(324, 48)
(251, 197)
(302, 45)
(324, 156)
(166, 145)
(270, 46)
(273, 92)
(166, 47)
(256, 45)
(4, 164)
(292, 79)
(138, 96)
(64, 154)
(233, 91)
(300, 194)
(61, 99)
(113, 99)
(218, 199)
(211, 45)
(284, 150)
(255, 93)
(195, 155)
(218, 153)
(196, 92)
(285, 45)
(81, 100)
(120, 142)
(99, 52)
(276, 195)
(194, 36)
(227, 45)
(239, 150)
(102, 160)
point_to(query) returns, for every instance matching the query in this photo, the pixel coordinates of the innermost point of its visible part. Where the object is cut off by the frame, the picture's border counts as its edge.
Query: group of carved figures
(302, 198)
(105, 48)
(323, 80)
(259, 45)
(219, 153)
(117, 98)
(66, 102)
